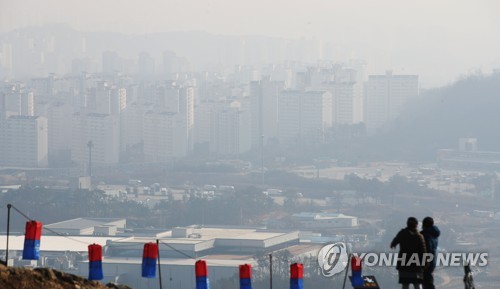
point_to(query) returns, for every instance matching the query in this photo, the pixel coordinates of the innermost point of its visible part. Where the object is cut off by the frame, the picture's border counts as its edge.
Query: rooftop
(56, 243)
(83, 223)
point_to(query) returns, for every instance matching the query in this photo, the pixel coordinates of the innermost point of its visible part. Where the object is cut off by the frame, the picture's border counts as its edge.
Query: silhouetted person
(468, 280)
(431, 234)
(411, 261)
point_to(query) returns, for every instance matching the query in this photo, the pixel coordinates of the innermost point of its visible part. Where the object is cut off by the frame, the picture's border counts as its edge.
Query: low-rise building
(325, 220)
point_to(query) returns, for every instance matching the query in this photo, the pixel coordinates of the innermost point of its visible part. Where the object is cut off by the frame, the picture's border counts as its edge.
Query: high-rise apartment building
(164, 136)
(223, 128)
(58, 118)
(131, 126)
(231, 131)
(15, 99)
(386, 97)
(347, 102)
(24, 141)
(264, 110)
(100, 129)
(304, 115)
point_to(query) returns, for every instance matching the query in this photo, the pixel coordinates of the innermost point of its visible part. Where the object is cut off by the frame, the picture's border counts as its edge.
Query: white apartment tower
(16, 100)
(186, 110)
(347, 103)
(386, 97)
(24, 141)
(223, 128)
(164, 136)
(131, 125)
(58, 116)
(103, 131)
(304, 115)
(264, 110)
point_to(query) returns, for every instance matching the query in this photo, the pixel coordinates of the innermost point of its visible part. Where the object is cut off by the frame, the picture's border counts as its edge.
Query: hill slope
(468, 108)
(46, 278)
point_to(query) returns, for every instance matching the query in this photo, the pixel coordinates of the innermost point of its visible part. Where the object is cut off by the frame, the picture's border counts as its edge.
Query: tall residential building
(24, 141)
(231, 128)
(304, 115)
(131, 125)
(17, 100)
(178, 100)
(222, 128)
(164, 136)
(58, 116)
(43, 87)
(186, 110)
(347, 102)
(103, 131)
(111, 62)
(386, 97)
(203, 124)
(345, 82)
(146, 66)
(264, 110)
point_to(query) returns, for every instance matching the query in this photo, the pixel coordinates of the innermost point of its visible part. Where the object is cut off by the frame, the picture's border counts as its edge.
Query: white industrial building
(87, 226)
(224, 249)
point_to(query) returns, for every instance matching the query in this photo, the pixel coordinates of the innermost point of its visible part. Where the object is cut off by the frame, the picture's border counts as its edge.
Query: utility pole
(270, 271)
(159, 263)
(262, 160)
(8, 233)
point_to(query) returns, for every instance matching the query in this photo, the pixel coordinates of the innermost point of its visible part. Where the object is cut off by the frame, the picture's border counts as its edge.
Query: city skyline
(366, 30)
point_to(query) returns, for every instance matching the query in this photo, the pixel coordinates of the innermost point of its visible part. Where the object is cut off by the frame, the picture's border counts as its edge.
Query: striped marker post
(95, 262)
(246, 276)
(296, 276)
(31, 250)
(201, 272)
(149, 256)
(357, 276)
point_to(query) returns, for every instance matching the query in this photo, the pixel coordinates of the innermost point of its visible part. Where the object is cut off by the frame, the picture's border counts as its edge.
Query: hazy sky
(438, 39)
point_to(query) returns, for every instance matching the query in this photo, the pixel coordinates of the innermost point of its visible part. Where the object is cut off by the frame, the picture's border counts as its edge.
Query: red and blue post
(356, 270)
(246, 276)
(31, 250)
(201, 272)
(95, 262)
(296, 276)
(149, 257)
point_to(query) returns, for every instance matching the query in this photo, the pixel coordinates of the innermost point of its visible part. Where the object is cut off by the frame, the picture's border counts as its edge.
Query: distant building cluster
(110, 117)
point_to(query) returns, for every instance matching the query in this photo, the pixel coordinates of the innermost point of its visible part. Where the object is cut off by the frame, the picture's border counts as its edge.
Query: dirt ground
(45, 278)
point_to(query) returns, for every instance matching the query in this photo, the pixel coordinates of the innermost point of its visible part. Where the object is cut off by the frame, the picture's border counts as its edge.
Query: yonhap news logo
(333, 259)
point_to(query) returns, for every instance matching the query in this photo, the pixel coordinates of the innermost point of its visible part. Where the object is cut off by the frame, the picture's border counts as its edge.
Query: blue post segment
(148, 267)
(95, 270)
(31, 250)
(202, 282)
(357, 279)
(296, 283)
(245, 283)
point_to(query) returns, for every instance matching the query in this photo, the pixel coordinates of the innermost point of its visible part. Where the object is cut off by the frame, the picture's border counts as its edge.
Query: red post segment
(356, 264)
(245, 271)
(201, 268)
(297, 271)
(33, 230)
(95, 252)
(150, 251)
